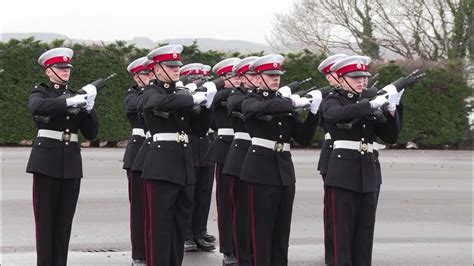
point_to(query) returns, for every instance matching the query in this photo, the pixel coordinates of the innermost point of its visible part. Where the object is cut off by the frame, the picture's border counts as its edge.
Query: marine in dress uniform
(203, 171)
(351, 178)
(206, 69)
(137, 165)
(55, 159)
(326, 148)
(268, 167)
(168, 167)
(218, 152)
(140, 74)
(235, 159)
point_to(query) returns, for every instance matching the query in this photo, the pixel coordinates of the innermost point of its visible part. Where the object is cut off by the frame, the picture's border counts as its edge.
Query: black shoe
(209, 238)
(138, 263)
(229, 260)
(190, 245)
(203, 245)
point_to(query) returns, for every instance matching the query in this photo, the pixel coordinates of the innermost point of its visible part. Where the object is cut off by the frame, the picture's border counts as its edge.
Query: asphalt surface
(424, 215)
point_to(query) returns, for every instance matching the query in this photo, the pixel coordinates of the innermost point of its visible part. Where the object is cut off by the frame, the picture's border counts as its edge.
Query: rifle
(399, 84)
(99, 84)
(305, 93)
(295, 85)
(219, 85)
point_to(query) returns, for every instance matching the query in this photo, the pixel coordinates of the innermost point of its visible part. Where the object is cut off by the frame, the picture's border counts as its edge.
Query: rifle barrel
(111, 76)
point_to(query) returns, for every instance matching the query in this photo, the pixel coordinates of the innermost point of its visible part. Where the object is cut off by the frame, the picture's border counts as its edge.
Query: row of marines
(188, 130)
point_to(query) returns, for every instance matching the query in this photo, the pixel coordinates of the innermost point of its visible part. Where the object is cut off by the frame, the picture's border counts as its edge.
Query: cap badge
(359, 66)
(65, 58)
(175, 56)
(275, 65)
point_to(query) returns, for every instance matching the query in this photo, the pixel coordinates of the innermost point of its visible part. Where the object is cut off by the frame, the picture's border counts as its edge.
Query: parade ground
(424, 214)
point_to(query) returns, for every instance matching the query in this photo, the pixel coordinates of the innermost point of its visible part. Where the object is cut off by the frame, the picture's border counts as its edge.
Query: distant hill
(145, 42)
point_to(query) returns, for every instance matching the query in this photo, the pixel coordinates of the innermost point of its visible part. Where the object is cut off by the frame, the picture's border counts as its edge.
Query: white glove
(378, 102)
(211, 92)
(392, 93)
(179, 83)
(301, 102)
(316, 98)
(391, 107)
(76, 100)
(90, 104)
(91, 91)
(400, 96)
(294, 96)
(199, 98)
(191, 86)
(285, 91)
(316, 94)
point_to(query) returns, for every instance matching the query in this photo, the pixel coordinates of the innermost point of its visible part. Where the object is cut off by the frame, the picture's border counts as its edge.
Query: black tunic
(263, 165)
(51, 157)
(239, 147)
(169, 160)
(352, 169)
(134, 141)
(221, 144)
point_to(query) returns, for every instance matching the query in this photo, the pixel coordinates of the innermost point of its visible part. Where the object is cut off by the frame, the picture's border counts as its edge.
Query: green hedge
(435, 110)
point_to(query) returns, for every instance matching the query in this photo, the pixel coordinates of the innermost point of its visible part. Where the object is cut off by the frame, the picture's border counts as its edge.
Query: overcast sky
(108, 20)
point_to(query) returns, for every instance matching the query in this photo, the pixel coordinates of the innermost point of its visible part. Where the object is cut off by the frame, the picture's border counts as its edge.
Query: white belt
(178, 137)
(327, 136)
(271, 144)
(242, 135)
(148, 134)
(353, 145)
(59, 135)
(138, 132)
(378, 146)
(225, 131)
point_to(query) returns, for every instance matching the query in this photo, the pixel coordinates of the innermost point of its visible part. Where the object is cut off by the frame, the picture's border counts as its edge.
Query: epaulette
(39, 86)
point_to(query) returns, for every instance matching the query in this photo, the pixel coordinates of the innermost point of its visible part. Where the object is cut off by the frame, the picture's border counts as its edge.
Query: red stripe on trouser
(254, 240)
(145, 218)
(216, 171)
(334, 227)
(218, 179)
(150, 214)
(35, 211)
(234, 222)
(325, 207)
(130, 196)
